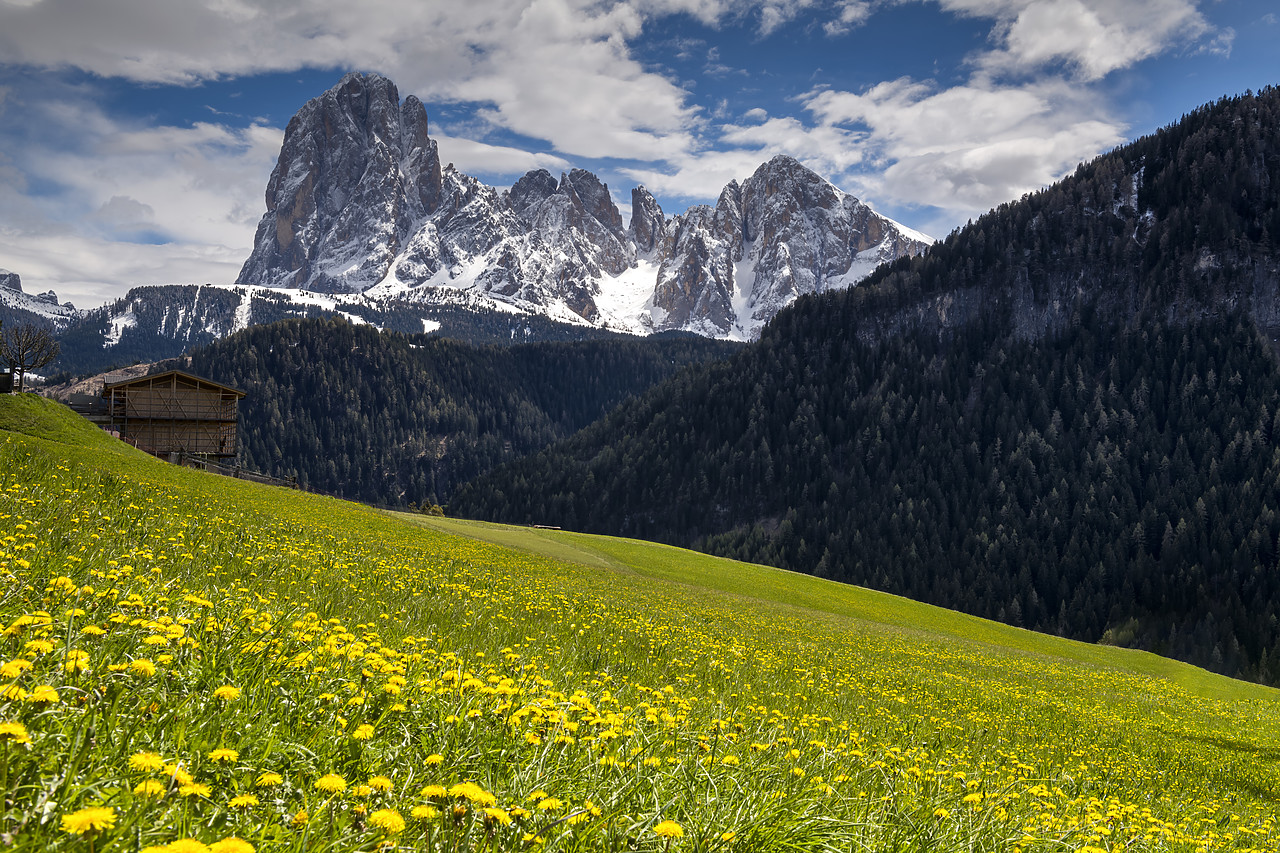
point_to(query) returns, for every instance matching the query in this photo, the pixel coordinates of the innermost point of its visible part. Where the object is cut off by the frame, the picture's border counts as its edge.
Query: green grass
(447, 685)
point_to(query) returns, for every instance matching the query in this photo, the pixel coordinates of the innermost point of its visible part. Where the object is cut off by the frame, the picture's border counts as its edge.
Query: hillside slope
(395, 419)
(268, 668)
(1061, 417)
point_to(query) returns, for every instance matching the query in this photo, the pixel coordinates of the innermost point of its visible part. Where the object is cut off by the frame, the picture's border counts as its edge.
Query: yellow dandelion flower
(76, 661)
(13, 692)
(39, 647)
(268, 780)
(433, 792)
(227, 693)
(45, 694)
(300, 818)
(388, 820)
(15, 668)
(231, 844)
(227, 755)
(361, 791)
(424, 812)
(244, 801)
(149, 788)
(179, 774)
(473, 792)
(93, 630)
(195, 789)
(142, 667)
(145, 762)
(331, 783)
(496, 815)
(186, 845)
(433, 760)
(380, 783)
(364, 732)
(92, 819)
(669, 829)
(15, 732)
(549, 804)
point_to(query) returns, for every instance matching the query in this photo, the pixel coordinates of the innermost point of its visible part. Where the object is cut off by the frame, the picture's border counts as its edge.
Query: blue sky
(137, 136)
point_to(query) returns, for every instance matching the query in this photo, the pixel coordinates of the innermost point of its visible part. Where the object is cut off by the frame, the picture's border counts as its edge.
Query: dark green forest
(394, 419)
(1064, 416)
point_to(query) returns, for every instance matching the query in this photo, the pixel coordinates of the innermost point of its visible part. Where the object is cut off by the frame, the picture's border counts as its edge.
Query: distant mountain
(1065, 416)
(359, 203)
(42, 309)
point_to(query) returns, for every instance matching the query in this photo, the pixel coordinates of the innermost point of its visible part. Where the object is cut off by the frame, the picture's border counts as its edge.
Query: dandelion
(149, 788)
(195, 789)
(669, 829)
(424, 812)
(227, 755)
(331, 783)
(433, 760)
(300, 818)
(364, 732)
(45, 694)
(244, 801)
(145, 762)
(15, 732)
(13, 693)
(186, 845)
(380, 783)
(497, 816)
(142, 667)
(227, 693)
(268, 780)
(388, 820)
(92, 819)
(15, 668)
(77, 661)
(473, 792)
(231, 844)
(433, 792)
(549, 804)
(40, 647)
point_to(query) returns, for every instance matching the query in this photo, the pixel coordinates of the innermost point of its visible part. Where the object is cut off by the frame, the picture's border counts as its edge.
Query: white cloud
(192, 195)
(1092, 37)
(968, 148)
(471, 156)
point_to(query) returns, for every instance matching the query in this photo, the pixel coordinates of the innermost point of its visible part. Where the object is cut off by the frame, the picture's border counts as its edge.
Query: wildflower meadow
(191, 663)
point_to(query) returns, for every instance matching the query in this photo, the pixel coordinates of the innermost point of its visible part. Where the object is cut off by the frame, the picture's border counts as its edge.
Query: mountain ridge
(359, 203)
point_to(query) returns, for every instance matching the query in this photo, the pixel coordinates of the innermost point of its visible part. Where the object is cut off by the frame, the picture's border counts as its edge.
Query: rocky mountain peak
(358, 200)
(10, 280)
(648, 223)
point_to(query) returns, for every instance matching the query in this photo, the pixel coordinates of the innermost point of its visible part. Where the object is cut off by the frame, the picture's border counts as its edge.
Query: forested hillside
(1063, 417)
(396, 419)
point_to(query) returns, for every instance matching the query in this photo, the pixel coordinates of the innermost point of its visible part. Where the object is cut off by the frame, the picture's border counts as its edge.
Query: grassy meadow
(192, 663)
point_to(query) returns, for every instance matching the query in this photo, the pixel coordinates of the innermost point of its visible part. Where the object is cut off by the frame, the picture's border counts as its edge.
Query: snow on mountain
(17, 306)
(358, 204)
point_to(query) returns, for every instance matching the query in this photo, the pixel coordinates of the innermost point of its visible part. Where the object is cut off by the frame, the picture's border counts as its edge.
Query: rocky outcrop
(356, 173)
(783, 233)
(358, 203)
(10, 280)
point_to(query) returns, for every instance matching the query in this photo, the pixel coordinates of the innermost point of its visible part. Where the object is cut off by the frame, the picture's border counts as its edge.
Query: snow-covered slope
(17, 306)
(358, 204)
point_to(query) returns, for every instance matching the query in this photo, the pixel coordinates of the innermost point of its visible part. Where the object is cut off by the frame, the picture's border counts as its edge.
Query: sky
(137, 136)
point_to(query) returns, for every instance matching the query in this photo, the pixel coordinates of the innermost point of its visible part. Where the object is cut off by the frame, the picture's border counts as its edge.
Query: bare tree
(27, 347)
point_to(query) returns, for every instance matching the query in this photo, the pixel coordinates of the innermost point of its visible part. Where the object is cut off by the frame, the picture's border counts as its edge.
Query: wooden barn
(174, 413)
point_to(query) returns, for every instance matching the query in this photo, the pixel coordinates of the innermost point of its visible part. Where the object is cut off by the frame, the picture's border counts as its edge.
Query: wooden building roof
(174, 378)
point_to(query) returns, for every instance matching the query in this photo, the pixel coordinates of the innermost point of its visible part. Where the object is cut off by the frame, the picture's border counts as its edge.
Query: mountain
(359, 203)
(1065, 416)
(18, 307)
(391, 418)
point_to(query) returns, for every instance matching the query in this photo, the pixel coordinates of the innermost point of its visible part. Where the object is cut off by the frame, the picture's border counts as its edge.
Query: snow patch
(119, 323)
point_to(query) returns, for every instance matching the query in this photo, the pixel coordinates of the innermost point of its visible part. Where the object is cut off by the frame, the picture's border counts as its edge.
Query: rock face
(358, 203)
(10, 280)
